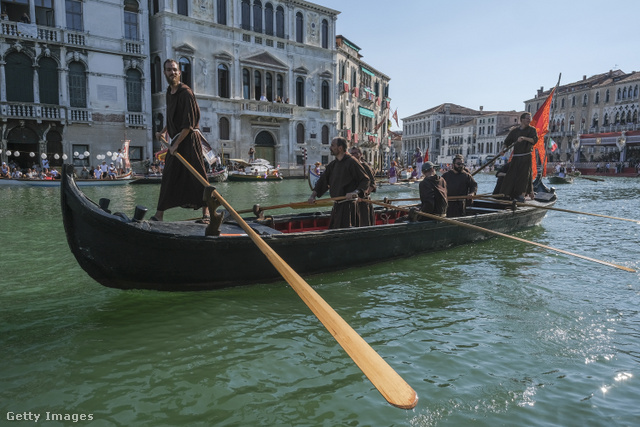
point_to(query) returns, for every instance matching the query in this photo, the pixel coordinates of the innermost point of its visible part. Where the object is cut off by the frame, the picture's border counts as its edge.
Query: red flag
(540, 121)
(426, 156)
(395, 117)
(348, 134)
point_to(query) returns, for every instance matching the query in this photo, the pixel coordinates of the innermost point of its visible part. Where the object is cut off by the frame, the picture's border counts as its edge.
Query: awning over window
(366, 112)
(368, 72)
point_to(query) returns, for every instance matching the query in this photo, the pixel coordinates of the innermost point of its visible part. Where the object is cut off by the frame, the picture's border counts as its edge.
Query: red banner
(540, 121)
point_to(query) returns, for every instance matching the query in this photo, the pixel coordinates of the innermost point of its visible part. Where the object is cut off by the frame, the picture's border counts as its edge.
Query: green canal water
(495, 333)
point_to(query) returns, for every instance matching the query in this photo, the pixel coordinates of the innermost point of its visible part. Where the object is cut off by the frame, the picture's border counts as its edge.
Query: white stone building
(233, 53)
(73, 79)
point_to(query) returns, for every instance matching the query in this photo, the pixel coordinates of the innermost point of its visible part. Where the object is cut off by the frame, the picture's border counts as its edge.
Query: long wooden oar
(588, 177)
(477, 196)
(296, 205)
(563, 210)
(497, 233)
(388, 382)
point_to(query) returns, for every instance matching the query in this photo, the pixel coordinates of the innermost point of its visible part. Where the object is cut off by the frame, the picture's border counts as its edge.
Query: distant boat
(258, 170)
(122, 180)
(556, 179)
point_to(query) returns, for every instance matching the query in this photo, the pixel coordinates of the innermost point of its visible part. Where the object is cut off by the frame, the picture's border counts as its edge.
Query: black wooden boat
(127, 253)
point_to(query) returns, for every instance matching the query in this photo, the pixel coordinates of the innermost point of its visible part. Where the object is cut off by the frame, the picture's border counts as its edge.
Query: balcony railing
(134, 119)
(21, 110)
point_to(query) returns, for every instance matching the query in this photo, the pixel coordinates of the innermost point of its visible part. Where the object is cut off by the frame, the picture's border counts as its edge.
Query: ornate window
(268, 80)
(246, 84)
(73, 10)
(19, 75)
(223, 125)
(325, 95)
(77, 85)
(268, 19)
(300, 133)
(185, 71)
(131, 19)
(299, 27)
(597, 98)
(223, 81)
(134, 91)
(246, 15)
(280, 22)
(257, 16)
(222, 12)
(48, 81)
(325, 135)
(300, 92)
(257, 83)
(325, 34)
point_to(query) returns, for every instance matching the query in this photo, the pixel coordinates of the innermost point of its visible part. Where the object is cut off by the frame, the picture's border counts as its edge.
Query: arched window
(222, 12)
(185, 71)
(300, 133)
(617, 120)
(257, 16)
(134, 91)
(48, 81)
(268, 80)
(634, 119)
(268, 19)
(183, 7)
(562, 103)
(280, 87)
(325, 95)
(299, 27)
(354, 79)
(246, 84)
(131, 19)
(619, 94)
(606, 96)
(624, 93)
(223, 124)
(325, 34)
(223, 81)
(573, 101)
(19, 75)
(300, 92)
(635, 92)
(325, 135)
(246, 15)
(606, 120)
(257, 84)
(584, 99)
(280, 22)
(77, 85)
(597, 98)
(594, 123)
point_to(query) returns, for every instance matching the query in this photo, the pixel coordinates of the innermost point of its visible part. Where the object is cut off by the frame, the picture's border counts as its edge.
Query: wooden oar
(490, 162)
(477, 196)
(388, 382)
(497, 233)
(564, 210)
(296, 205)
(587, 177)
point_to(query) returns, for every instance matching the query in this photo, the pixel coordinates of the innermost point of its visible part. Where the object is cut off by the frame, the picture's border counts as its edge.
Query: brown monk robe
(518, 182)
(179, 187)
(346, 177)
(365, 210)
(433, 192)
(459, 183)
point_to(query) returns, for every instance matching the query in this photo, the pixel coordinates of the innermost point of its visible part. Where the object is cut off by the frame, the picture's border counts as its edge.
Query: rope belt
(523, 154)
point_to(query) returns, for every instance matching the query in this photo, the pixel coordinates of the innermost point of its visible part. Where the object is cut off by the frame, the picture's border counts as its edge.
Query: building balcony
(62, 36)
(266, 109)
(31, 111)
(135, 120)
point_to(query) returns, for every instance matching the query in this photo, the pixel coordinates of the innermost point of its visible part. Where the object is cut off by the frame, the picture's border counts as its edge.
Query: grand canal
(495, 333)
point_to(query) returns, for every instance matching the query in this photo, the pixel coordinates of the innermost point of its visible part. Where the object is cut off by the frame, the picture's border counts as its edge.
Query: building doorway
(266, 147)
(22, 141)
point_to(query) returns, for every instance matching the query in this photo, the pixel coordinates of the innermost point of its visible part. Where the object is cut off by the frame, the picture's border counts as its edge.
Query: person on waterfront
(45, 163)
(84, 173)
(112, 171)
(519, 182)
(97, 173)
(418, 159)
(252, 154)
(120, 162)
(5, 171)
(459, 183)
(316, 168)
(54, 174)
(104, 170)
(365, 210)
(343, 177)
(433, 192)
(393, 173)
(179, 186)
(15, 173)
(25, 18)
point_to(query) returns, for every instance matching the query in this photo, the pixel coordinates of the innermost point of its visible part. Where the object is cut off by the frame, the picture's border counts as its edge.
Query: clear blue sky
(494, 53)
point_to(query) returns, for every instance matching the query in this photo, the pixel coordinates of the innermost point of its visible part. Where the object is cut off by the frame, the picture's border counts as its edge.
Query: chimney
(481, 108)
(584, 77)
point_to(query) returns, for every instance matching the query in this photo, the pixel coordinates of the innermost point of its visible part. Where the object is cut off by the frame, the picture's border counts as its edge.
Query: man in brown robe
(365, 210)
(433, 192)
(459, 183)
(346, 177)
(179, 187)
(518, 182)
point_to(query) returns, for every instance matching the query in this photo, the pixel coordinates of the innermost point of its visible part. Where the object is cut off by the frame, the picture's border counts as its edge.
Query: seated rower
(433, 192)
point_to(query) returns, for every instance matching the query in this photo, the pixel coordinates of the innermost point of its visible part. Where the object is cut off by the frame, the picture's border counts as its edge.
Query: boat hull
(560, 180)
(252, 178)
(125, 254)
